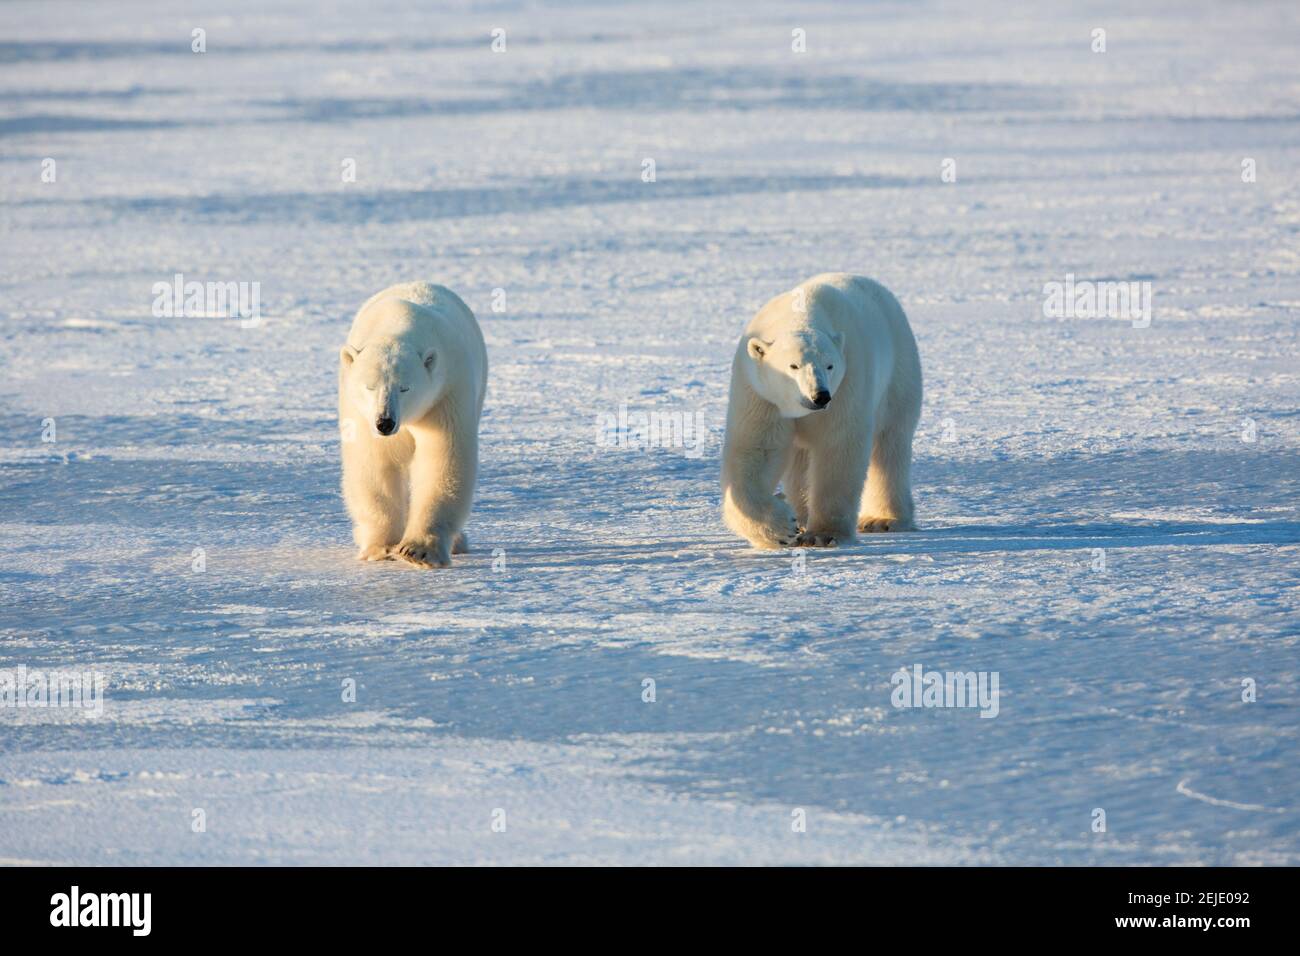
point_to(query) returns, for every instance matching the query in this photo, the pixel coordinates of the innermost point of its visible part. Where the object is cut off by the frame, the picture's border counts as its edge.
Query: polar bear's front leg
(443, 471)
(375, 494)
(750, 471)
(837, 475)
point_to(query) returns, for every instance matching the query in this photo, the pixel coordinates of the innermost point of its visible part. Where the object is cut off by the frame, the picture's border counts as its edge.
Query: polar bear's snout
(814, 389)
(820, 400)
(386, 415)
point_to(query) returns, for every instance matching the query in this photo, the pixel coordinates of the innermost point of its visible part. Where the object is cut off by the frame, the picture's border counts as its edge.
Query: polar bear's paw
(811, 539)
(375, 552)
(869, 525)
(782, 528)
(460, 544)
(426, 551)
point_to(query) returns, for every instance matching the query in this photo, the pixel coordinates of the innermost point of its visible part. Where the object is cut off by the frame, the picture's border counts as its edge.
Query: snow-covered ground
(183, 534)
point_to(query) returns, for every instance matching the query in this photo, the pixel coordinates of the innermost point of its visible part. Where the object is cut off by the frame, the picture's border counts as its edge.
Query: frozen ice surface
(514, 681)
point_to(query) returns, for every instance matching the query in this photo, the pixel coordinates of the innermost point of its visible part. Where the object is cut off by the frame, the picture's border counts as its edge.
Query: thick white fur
(821, 456)
(415, 355)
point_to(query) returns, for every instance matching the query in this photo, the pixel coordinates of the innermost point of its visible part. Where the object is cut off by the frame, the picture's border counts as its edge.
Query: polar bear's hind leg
(794, 483)
(887, 497)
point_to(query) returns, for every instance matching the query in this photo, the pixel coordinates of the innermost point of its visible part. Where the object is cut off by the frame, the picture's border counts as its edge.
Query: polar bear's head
(390, 383)
(799, 371)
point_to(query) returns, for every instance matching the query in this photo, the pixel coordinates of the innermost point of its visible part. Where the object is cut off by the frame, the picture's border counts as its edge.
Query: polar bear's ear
(430, 358)
(347, 354)
(757, 348)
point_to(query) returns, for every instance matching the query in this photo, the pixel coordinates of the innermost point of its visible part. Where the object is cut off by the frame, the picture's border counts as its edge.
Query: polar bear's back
(438, 299)
(421, 293)
(868, 297)
(857, 303)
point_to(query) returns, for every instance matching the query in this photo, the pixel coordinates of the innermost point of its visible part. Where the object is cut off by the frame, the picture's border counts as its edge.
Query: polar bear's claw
(375, 552)
(807, 540)
(870, 525)
(422, 554)
(789, 537)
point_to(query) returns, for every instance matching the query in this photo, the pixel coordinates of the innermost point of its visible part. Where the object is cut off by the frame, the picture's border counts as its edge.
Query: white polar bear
(412, 377)
(826, 380)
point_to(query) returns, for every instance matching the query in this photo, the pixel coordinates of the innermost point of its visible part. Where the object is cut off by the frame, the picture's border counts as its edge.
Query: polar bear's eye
(370, 388)
(829, 367)
(405, 388)
(795, 367)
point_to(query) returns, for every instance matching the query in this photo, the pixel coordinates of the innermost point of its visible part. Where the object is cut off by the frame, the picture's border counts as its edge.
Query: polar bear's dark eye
(404, 388)
(829, 367)
(795, 367)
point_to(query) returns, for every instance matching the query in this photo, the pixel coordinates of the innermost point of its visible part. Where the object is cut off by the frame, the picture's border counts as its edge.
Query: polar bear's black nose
(385, 426)
(822, 398)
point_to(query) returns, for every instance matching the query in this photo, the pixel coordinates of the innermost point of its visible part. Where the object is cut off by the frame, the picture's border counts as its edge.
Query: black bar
(336, 905)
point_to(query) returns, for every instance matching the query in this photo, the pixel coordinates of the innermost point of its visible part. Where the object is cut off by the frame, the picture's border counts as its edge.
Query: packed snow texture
(1109, 511)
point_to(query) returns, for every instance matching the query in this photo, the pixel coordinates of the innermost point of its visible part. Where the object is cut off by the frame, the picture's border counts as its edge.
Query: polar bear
(826, 380)
(412, 377)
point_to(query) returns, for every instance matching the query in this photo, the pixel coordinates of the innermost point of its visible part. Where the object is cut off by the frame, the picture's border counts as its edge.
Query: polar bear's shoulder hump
(427, 294)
